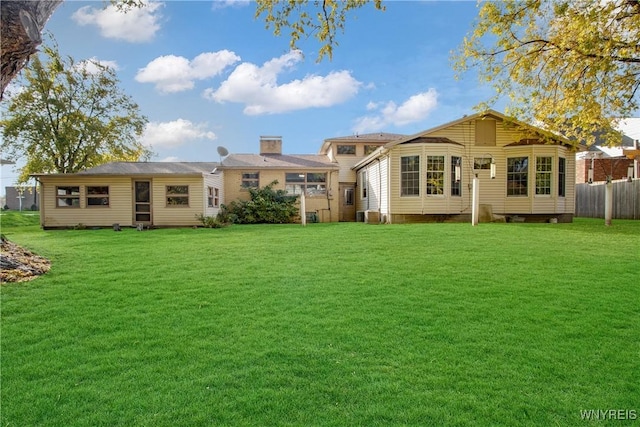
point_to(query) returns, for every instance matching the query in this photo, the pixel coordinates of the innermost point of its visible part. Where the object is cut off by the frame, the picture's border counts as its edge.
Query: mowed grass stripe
(331, 324)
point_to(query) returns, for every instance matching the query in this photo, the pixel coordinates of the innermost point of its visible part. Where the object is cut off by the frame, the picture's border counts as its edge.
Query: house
(21, 198)
(315, 175)
(346, 151)
(131, 194)
(598, 162)
(522, 171)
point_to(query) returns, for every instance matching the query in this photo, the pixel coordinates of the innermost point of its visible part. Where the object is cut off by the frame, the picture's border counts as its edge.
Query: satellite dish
(222, 151)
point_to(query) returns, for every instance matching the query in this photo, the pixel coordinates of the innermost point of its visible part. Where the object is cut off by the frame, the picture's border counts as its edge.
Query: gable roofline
(278, 162)
(482, 115)
(376, 137)
(140, 169)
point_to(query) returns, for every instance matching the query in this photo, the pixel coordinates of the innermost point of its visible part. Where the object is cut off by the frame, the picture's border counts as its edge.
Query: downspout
(636, 170)
(422, 159)
(329, 190)
(379, 192)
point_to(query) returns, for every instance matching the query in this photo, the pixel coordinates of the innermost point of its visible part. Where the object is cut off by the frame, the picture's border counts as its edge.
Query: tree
(571, 65)
(70, 116)
(330, 17)
(21, 22)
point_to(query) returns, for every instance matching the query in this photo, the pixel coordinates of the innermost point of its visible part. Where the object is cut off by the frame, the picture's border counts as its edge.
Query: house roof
(377, 137)
(147, 168)
(431, 140)
(532, 141)
(486, 114)
(277, 161)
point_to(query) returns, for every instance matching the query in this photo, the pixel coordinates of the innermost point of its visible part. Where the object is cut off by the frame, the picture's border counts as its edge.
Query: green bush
(211, 221)
(267, 206)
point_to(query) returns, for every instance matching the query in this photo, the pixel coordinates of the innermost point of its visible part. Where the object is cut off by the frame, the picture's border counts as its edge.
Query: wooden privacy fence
(626, 199)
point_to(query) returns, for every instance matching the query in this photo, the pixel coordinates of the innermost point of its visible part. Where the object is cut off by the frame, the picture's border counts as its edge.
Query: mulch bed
(18, 264)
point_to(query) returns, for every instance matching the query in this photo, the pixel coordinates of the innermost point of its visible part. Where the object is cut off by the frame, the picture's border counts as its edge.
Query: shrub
(208, 221)
(267, 206)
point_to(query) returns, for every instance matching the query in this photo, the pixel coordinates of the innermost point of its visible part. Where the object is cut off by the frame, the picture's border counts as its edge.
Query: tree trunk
(22, 22)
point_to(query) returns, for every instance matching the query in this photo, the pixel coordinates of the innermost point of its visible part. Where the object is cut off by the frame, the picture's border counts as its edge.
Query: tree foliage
(571, 65)
(324, 19)
(267, 206)
(70, 116)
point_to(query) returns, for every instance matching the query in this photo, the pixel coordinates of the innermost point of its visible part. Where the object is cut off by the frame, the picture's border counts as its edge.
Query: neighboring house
(22, 198)
(428, 176)
(599, 161)
(346, 151)
(315, 175)
(131, 193)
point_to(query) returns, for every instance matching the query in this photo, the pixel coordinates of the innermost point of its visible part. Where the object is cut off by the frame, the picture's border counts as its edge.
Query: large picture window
(177, 195)
(435, 175)
(543, 175)
(68, 197)
(313, 184)
(98, 196)
(456, 176)
(562, 177)
(250, 179)
(517, 176)
(410, 176)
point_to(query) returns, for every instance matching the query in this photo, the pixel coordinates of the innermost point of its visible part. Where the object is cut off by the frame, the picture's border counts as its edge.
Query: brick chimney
(270, 145)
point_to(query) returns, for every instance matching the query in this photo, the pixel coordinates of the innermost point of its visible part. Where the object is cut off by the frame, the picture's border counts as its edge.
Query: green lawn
(325, 325)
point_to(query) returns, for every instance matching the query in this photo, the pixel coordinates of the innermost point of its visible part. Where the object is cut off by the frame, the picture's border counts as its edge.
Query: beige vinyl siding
(375, 187)
(164, 215)
(326, 206)
(542, 204)
(493, 192)
(384, 189)
(118, 211)
(423, 203)
(216, 181)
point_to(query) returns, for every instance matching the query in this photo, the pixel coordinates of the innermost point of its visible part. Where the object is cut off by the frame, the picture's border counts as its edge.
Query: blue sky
(208, 74)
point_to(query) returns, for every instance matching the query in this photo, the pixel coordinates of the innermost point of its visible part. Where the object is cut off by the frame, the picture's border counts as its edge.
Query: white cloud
(136, 25)
(92, 68)
(414, 109)
(221, 4)
(174, 133)
(257, 87)
(172, 73)
(372, 105)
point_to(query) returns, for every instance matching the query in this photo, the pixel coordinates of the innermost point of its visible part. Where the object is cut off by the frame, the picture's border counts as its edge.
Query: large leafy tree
(69, 116)
(322, 19)
(571, 65)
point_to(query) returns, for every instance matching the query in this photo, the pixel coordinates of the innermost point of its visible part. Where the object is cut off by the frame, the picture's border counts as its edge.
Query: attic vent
(486, 132)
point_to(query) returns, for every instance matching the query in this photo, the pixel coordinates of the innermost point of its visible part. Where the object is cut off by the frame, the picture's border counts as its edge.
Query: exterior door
(142, 202)
(347, 202)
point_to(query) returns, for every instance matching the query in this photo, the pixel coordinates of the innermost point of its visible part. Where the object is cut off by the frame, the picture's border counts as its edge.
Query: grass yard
(325, 325)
